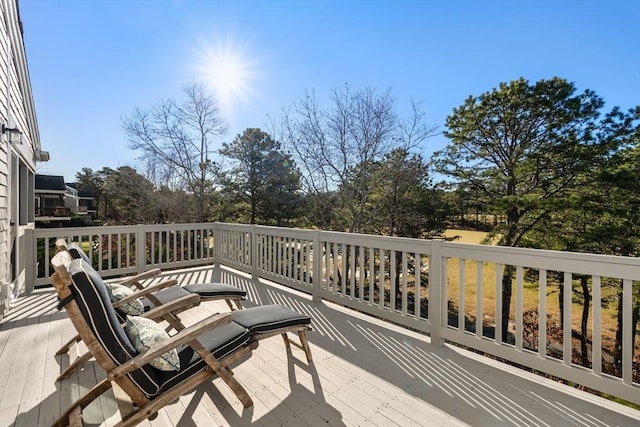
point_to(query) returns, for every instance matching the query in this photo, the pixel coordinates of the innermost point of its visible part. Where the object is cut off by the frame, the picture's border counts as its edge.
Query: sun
(229, 70)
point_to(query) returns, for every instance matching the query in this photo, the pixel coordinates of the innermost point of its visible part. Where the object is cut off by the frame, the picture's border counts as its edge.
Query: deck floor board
(365, 372)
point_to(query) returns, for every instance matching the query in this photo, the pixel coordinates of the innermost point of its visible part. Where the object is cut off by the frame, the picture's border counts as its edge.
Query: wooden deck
(365, 372)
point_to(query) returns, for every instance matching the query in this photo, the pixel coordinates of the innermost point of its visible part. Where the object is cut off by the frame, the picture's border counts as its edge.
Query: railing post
(141, 249)
(254, 253)
(217, 247)
(436, 292)
(317, 267)
(30, 261)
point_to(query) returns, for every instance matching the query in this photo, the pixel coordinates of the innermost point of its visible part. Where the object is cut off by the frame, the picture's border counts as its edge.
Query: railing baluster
(352, 275)
(519, 299)
(381, 285)
(417, 294)
(542, 314)
(128, 249)
(392, 280)
(566, 319)
(100, 253)
(461, 289)
(498, 322)
(110, 251)
(405, 284)
(443, 283)
(372, 276)
(119, 250)
(343, 274)
(596, 339)
(361, 274)
(479, 309)
(627, 332)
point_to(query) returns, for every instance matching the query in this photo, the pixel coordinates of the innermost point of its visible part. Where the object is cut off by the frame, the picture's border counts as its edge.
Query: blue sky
(92, 61)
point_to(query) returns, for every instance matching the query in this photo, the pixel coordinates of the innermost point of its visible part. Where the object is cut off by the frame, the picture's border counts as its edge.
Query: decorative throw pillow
(118, 292)
(145, 333)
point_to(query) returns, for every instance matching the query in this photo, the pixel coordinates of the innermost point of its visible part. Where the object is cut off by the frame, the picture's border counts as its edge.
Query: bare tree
(179, 137)
(336, 147)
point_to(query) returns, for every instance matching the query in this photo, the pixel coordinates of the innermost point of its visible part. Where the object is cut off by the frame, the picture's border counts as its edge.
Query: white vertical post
(316, 252)
(479, 309)
(542, 314)
(627, 332)
(498, 322)
(596, 344)
(253, 243)
(461, 291)
(566, 319)
(217, 247)
(436, 286)
(141, 249)
(31, 260)
(519, 307)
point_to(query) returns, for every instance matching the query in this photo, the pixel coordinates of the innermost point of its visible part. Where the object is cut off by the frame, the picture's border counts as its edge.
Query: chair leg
(302, 334)
(75, 417)
(81, 360)
(65, 348)
(303, 345)
(224, 373)
(236, 301)
(83, 402)
(287, 340)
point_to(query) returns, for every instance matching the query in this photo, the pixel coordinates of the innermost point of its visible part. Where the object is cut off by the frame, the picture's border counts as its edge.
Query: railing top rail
(83, 231)
(591, 264)
(368, 240)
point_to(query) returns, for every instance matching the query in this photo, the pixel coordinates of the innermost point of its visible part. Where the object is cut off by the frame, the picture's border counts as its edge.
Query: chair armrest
(184, 336)
(135, 280)
(180, 304)
(144, 292)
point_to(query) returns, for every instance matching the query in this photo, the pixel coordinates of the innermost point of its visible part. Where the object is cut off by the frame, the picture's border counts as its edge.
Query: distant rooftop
(50, 182)
(81, 193)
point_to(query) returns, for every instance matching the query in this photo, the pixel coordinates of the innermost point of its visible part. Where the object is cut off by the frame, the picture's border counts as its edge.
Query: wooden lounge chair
(263, 321)
(159, 294)
(210, 347)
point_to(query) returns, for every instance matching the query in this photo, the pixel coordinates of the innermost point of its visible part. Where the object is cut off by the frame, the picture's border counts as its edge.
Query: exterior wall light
(15, 136)
(42, 156)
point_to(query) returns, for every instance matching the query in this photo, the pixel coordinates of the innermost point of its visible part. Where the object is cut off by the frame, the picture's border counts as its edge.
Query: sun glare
(228, 69)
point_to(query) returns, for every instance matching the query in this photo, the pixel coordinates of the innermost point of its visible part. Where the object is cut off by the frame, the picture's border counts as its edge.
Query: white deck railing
(451, 291)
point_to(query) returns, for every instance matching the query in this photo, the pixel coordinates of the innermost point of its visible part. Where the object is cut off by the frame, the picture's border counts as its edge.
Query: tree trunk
(397, 279)
(617, 357)
(506, 300)
(584, 319)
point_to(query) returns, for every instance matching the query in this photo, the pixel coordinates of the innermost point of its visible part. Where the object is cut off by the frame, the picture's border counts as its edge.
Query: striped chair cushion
(269, 318)
(221, 342)
(215, 290)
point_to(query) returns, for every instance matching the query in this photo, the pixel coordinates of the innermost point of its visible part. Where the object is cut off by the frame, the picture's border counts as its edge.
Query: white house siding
(17, 160)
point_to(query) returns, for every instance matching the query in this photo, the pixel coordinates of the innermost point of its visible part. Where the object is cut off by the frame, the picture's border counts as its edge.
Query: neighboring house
(20, 149)
(80, 202)
(50, 194)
